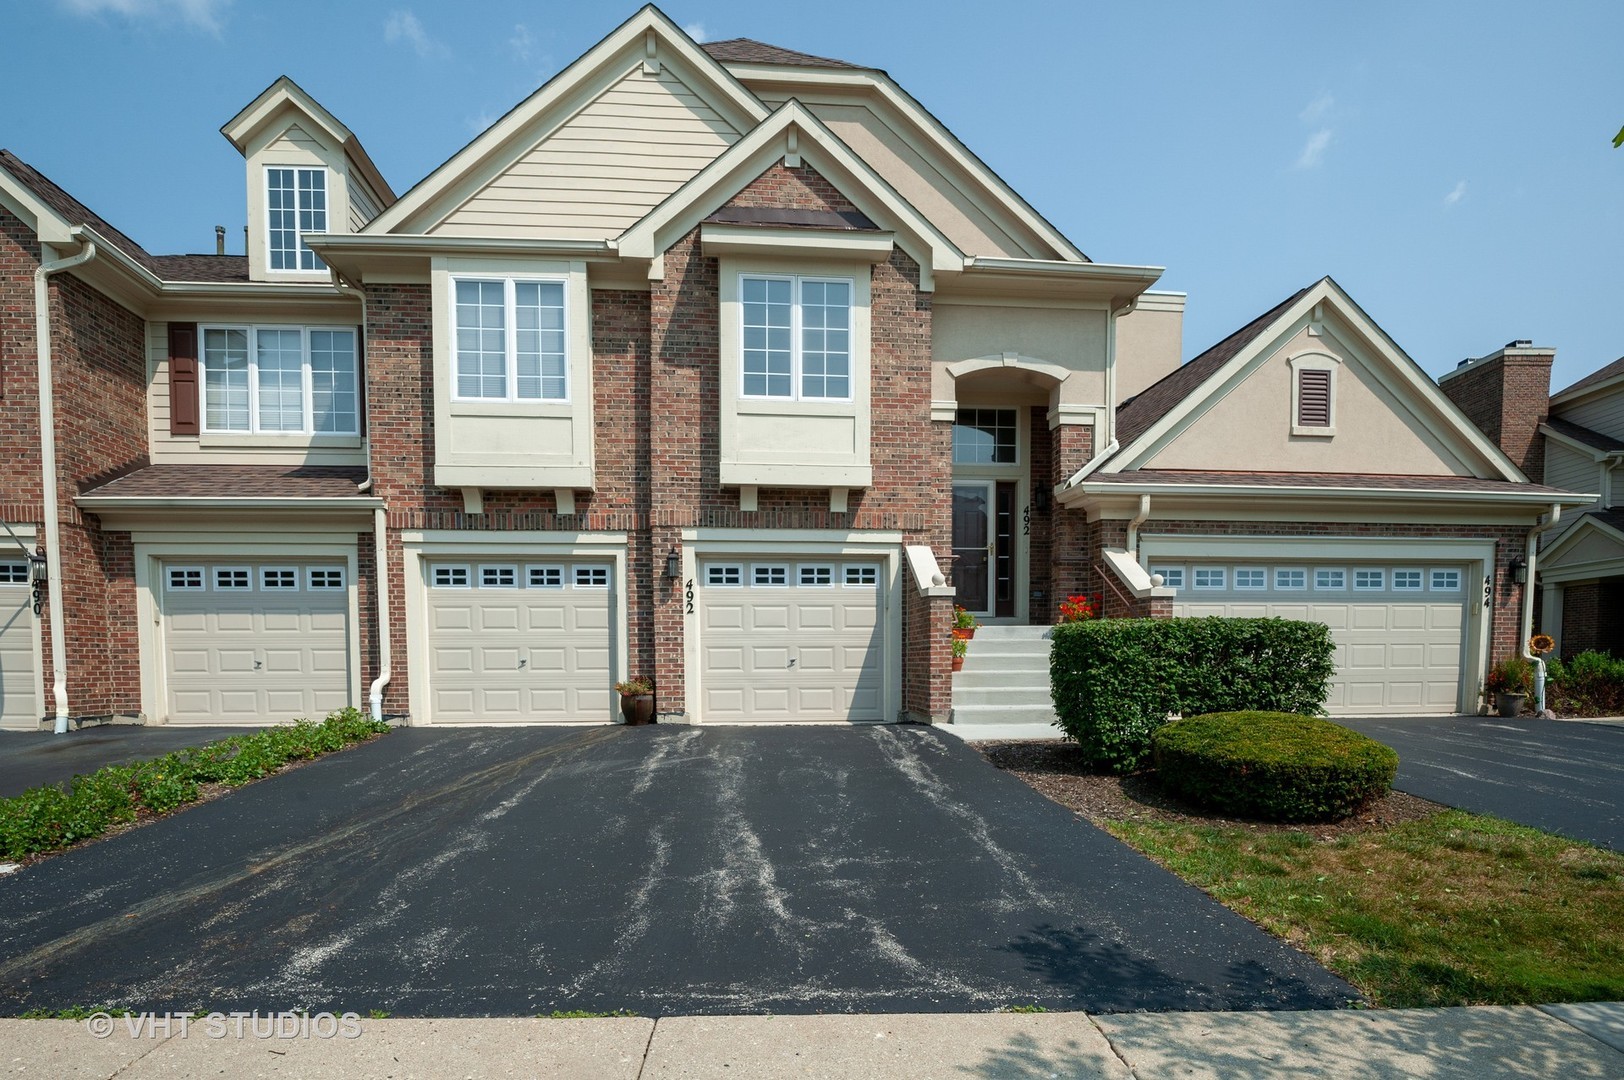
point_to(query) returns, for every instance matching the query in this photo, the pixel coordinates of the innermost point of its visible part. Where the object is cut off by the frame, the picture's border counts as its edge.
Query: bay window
(796, 337)
(510, 340)
(295, 204)
(280, 380)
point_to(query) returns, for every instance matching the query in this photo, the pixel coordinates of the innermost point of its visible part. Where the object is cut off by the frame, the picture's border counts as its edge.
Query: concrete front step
(972, 678)
(1003, 714)
(1001, 695)
(1008, 646)
(1025, 633)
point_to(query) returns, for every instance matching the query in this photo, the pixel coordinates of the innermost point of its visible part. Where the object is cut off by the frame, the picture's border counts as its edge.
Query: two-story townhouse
(722, 363)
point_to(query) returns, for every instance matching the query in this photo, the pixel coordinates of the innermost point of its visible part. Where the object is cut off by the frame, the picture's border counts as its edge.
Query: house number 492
(688, 597)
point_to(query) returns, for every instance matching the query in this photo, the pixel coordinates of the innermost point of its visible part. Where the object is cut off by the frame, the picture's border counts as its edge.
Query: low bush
(1589, 684)
(1278, 766)
(50, 818)
(1116, 681)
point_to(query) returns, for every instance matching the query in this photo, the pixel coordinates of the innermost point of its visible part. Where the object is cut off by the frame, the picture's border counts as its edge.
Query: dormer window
(295, 204)
(1313, 394)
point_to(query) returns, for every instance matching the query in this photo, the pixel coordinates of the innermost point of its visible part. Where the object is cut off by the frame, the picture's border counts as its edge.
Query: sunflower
(1540, 644)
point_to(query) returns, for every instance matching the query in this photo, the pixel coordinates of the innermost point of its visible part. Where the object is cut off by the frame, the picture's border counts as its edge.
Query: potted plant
(1508, 683)
(964, 624)
(1079, 608)
(636, 699)
(960, 647)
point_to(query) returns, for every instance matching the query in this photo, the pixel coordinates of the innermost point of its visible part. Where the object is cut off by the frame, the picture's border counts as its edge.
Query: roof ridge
(767, 53)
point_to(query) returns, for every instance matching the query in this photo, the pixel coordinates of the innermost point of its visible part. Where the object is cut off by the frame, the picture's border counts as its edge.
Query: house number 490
(688, 597)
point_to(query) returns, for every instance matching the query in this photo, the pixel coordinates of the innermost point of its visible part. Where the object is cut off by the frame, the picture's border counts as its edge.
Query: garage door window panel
(451, 577)
(592, 577)
(1406, 580)
(1251, 578)
(768, 576)
(1446, 581)
(279, 578)
(1330, 580)
(817, 576)
(1211, 577)
(326, 578)
(1290, 578)
(498, 577)
(184, 578)
(13, 573)
(724, 576)
(1369, 580)
(1172, 576)
(862, 575)
(545, 577)
(233, 577)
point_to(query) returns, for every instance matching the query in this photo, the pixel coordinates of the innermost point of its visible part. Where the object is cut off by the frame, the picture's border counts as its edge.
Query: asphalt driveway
(35, 758)
(1563, 776)
(665, 870)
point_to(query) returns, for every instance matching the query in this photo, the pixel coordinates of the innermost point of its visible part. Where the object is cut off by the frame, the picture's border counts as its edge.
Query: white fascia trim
(840, 244)
(1063, 270)
(460, 540)
(1563, 397)
(1161, 300)
(631, 36)
(117, 502)
(367, 244)
(927, 573)
(1532, 498)
(742, 162)
(48, 225)
(1593, 453)
(800, 539)
(284, 91)
(1134, 576)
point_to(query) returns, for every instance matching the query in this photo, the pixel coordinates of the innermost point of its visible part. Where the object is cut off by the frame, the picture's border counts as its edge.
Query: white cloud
(1456, 194)
(1315, 110)
(695, 30)
(521, 41)
(203, 15)
(1314, 149)
(404, 26)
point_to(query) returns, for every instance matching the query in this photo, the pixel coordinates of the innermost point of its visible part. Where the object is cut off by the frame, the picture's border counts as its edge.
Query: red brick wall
(1508, 397)
(19, 396)
(1073, 541)
(1040, 540)
(1593, 618)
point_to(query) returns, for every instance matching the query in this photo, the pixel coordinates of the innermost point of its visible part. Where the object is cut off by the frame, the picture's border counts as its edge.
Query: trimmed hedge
(1272, 765)
(1116, 681)
(50, 818)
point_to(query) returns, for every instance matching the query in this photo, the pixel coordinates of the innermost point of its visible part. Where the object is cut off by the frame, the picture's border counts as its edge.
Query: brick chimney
(1508, 394)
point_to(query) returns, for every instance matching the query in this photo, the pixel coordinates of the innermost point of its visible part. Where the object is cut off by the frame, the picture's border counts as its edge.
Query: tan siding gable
(297, 141)
(1377, 431)
(1596, 547)
(1566, 468)
(605, 168)
(362, 207)
(1603, 413)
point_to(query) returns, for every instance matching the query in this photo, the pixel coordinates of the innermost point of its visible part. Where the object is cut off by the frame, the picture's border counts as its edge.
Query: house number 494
(688, 597)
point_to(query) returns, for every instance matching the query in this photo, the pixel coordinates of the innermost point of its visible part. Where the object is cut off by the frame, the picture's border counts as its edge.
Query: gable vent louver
(1314, 399)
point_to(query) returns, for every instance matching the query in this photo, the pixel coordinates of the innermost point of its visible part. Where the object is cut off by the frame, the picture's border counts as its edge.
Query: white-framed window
(592, 577)
(862, 574)
(325, 577)
(278, 577)
(1290, 577)
(233, 577)
(1211, 577)
(498, 577)
(1330, 578)
(795, 337)
(184, 578)
(13, 573)
(769, 575)
(1251, 577)
(817, 575)
(1446, 581)
(724, 575)
(1369, 580)
(451, 577)
(545, 577)
(295, 204)
(1407, 580)
(280, 380)
(1172, 576)
(511, 336)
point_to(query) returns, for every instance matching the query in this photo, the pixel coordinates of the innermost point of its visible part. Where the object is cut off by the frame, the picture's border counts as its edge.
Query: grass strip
(50, 818)
(1454, 909)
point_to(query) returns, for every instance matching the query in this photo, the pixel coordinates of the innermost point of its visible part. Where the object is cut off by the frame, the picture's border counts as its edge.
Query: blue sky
(1449, 163)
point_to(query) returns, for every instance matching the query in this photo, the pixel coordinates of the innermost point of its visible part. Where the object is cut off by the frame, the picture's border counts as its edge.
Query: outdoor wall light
(673, 564)
(1040, 498)
(1518, 571)
(37, 571)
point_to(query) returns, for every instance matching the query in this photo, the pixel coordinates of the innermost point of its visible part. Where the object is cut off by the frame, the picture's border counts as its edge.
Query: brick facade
(1591, 618)
(1507, 395)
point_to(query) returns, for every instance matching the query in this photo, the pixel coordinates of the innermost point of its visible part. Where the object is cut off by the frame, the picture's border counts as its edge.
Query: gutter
(1528, 605)
(166, 502)
(1074, 490)
(47, 455)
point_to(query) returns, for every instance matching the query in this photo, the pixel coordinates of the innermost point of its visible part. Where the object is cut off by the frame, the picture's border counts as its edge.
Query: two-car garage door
(1399, 628)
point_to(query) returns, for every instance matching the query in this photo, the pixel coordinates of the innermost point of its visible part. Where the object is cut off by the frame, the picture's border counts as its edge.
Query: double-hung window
(280, 380)
(510, 340)
(295, 204)
(796, 338)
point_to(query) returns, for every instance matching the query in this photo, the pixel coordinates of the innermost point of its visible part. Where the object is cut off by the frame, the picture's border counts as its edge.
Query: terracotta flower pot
(637, 708)
(958, 663)
(962, 635)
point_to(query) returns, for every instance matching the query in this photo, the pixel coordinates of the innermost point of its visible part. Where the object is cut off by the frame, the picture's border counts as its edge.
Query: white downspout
(1133, 526)
(47, 460)
(380, 530)
(1528, 606)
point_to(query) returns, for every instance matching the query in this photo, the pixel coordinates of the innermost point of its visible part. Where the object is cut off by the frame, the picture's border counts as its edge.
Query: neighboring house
(723, 363)
(1581, 567)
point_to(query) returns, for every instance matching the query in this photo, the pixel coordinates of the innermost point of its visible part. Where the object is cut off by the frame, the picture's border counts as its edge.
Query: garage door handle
(258, 664)
(522, 663)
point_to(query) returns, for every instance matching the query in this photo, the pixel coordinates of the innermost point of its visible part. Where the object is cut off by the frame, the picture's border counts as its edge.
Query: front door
(984, 547)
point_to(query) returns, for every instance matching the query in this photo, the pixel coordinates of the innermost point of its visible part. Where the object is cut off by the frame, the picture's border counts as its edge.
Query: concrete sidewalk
(1570, 1041)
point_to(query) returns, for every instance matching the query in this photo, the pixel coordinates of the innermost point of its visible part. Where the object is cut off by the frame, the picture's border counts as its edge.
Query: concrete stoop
(1002, 692)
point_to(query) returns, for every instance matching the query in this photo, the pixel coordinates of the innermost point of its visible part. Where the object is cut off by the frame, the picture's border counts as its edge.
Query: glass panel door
(972, 543)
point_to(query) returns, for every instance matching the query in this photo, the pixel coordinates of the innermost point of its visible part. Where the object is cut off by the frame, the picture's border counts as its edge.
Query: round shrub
(1278, 766)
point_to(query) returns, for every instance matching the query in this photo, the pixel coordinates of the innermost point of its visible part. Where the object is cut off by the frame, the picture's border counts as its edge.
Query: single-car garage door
(1399, 629)
(791, 639)
(520, 642)
(20, 707)
(255, 643)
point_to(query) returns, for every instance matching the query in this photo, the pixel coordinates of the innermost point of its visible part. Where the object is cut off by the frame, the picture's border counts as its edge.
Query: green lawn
(1455, 909)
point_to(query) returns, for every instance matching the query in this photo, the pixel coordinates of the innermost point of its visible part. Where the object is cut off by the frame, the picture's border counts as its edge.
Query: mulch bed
(1055, 769)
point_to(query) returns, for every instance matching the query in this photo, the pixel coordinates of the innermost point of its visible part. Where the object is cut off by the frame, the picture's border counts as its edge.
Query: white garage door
(1399, 629)
(791, 640)
(20, 707)
(255, 643)
(520, 642)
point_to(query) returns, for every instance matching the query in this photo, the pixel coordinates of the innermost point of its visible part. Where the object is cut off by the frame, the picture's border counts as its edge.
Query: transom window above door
(986, 437)
(510, 340)
(796, 335)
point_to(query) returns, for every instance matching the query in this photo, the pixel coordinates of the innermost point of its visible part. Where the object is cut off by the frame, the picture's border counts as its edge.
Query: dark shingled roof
(1584, 434)
(206, 268)
(748, 51)
(784, 217)
(1139, 413)
(235, 482)
(1612, 370)
(1377, 481)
